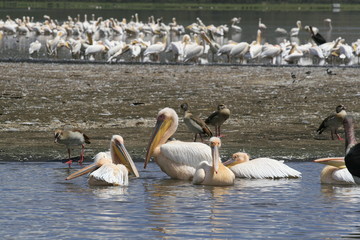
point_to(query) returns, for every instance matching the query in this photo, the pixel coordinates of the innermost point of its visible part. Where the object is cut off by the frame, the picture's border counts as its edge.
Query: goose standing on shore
(195, 124)
(333, 122)
(218, 117)
(72, 138)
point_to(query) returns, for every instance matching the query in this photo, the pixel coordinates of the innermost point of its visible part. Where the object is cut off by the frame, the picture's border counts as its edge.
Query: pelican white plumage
(239, 51)
(177, 159)
(193, 50)
(259, 168)
(335, 172)
(34, 47)
(294, 54)
(270, 52)
(295, 31)
(256, 47)
(226, 49)
(215, 174)
(110, 169)
(154, 50)
(261, 25)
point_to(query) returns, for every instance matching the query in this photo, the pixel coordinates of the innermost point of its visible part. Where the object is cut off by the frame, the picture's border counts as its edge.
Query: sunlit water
(37, 203)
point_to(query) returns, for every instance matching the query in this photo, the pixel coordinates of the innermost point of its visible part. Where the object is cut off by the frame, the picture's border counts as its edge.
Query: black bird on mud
(333, 122)
(329, 72)
(318, 39)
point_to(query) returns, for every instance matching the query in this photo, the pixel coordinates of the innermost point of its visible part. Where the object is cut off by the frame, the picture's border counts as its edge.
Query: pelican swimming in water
(175, 158)
(215, 174)
(259, 168)
(110, 169)
(335, 171)
(72, 138)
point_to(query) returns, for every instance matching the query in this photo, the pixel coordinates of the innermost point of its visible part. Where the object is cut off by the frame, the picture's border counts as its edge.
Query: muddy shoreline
(271, 114)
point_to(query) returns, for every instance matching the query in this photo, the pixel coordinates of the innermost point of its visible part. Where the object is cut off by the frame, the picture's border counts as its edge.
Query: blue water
(37, 203)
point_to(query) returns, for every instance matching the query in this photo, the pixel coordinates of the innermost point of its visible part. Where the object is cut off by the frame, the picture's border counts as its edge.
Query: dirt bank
(271, 114)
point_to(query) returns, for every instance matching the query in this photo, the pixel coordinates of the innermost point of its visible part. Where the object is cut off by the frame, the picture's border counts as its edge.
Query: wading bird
(215, 174)
(175, 158)
(110, 169)
(259, 168)
(72, 138)
(333, 122)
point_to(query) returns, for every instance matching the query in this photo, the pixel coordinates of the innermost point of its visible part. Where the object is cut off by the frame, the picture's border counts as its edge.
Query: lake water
(37, 203)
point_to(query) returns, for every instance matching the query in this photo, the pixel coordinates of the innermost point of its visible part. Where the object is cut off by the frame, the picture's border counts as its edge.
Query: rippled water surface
(38, 203)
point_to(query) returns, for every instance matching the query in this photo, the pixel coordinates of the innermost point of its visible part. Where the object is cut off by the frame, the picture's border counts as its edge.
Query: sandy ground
(271, 114)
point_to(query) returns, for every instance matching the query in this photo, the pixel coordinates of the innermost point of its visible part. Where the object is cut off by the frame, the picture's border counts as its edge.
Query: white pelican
(110, 170)
(335, 172)
(192, 51)
(218, 117)
(154, 50)
(256, 47)
(215, 174)
(294, 32)
(259, 168)
(195, 124)
(333, 122)
(235, 28)
(72, 138)
(226, 49)
(270, 52)
(34, 47)
(261, 25)
(239, 51)
(177, 159)
(294, 54)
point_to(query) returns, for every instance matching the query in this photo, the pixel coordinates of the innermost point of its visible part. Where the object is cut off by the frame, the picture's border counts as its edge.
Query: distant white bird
(34, 47)
(259, 168)
(261, 25)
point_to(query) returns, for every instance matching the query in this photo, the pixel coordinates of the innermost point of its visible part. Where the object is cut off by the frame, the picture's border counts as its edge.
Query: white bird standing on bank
(110, 169)
(259, 168)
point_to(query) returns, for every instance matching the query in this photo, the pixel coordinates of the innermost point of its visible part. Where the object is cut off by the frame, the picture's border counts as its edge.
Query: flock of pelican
(200, 162)
(114, 40)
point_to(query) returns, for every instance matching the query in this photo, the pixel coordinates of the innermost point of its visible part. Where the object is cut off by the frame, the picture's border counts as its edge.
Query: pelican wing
(260, 168)
(186, 153)
(111, 174)
(343, 175)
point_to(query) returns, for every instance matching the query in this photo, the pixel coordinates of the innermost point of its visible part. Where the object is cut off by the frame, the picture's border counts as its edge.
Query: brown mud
(271, 113)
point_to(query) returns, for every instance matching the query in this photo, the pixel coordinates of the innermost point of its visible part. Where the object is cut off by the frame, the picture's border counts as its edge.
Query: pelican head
(239, 157)
(215, 144)
(165, 127)
(119, 155)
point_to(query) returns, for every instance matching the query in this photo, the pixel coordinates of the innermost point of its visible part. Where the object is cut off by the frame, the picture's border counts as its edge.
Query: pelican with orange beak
(175, 158)
(335, 171)
(110, 169)
(215, 174)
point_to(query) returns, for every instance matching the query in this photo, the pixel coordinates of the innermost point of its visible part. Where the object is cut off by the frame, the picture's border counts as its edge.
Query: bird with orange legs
(333, 122)
(110, 169)
(259, 168)
(218, 117)
(72, 138)
(175, 158)
(214, 174)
